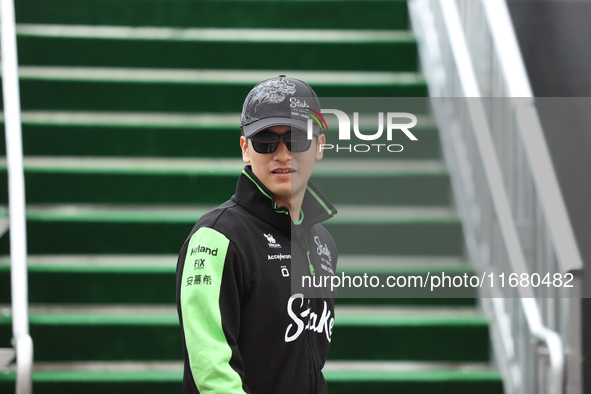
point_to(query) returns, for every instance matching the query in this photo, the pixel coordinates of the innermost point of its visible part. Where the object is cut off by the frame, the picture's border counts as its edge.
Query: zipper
(312, 271)
(302, 239)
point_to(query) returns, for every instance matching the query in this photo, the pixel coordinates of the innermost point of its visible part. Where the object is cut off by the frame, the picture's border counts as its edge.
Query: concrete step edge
(331, 365)
(405, 366)
(207, 166)
(153, 119)
(157, 310)
(243, 77)
(215, 34)
(169, 260)
(334, 371)
(347, 214)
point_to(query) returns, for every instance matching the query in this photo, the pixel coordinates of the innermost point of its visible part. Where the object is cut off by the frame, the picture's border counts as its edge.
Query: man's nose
(282, 153)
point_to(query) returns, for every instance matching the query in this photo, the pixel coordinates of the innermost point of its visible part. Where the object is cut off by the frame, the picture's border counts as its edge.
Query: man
(244, 329)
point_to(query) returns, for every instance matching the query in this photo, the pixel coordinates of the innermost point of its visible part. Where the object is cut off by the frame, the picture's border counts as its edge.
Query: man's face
(284, 173)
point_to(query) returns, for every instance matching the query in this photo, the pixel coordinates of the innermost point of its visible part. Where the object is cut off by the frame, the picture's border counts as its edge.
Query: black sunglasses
(267, 142)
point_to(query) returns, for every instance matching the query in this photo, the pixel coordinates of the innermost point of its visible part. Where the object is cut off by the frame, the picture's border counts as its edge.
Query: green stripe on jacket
(209, 352)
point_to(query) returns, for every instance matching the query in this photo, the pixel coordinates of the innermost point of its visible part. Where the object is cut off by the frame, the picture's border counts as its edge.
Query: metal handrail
(16, 196)
(497, 188)
(545, 180)
(505, 42)
(563, 240)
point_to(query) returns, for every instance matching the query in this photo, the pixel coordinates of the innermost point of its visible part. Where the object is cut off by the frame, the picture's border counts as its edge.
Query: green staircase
(131, 112)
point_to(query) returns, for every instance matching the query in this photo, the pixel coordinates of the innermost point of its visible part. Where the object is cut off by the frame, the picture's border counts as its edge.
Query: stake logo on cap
(270, 103)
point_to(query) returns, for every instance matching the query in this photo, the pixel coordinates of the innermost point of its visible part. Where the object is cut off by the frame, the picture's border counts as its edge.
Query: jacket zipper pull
(312, 272)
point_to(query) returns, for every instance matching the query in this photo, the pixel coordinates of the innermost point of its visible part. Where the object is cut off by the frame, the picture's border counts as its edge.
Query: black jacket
(244, 329)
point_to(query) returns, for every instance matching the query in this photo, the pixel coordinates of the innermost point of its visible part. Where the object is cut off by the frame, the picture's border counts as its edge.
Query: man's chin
(282, 193)
(285, 190)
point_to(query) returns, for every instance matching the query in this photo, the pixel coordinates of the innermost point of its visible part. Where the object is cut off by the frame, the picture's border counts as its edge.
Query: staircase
(131, 126)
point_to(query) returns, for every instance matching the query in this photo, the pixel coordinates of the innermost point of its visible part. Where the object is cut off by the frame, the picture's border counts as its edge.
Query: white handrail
(500, 201)
(16, 197)
(534, 143)
(483, 138)
(504, 40)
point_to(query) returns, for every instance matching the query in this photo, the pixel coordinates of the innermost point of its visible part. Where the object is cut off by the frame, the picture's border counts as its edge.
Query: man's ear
(321, 140)
(244, 147)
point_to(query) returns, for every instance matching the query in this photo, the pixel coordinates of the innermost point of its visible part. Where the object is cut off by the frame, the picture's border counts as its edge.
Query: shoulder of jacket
(225, 219)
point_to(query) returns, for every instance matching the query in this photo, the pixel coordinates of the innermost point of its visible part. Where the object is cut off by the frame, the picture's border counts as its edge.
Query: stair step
(204, 181)
(173, 135)
(168, 90)
(342, 377)
(249, 49)
(162, 229)
(359, 14)
(331, 366)
(401, 264)
(485, 382)
(96, 279)
(383, 182)
(132, 279)
(435, 334)
(214, 34)
(320, 79)
(390, 376)
(396, 230)
(380, 333)
(408, 367)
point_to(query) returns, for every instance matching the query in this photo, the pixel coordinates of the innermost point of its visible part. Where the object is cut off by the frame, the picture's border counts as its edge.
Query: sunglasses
(267, 142)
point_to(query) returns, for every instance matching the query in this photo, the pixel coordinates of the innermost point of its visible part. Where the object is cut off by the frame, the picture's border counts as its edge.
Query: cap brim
(255, 127)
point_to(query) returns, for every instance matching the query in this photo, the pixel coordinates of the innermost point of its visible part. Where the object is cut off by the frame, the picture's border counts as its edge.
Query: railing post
(16, 198)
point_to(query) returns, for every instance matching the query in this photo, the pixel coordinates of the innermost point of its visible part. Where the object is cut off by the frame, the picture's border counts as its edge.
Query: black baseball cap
(279, 101)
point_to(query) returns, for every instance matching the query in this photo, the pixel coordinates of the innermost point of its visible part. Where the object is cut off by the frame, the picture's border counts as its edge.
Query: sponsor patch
(199, 264)
(323, 251)
(328, 269)
(279, 257)
(284, 271)
(204, 249)
(198, 280)
(272, 243)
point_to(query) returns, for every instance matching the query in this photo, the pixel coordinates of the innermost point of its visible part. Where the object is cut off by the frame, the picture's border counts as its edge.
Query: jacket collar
(253, 196)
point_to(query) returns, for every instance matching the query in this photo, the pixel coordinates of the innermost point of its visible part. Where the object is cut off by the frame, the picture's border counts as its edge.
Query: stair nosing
(212, 76)
(212, 166)
(330, 365)
(209, 34)
(345, 260)
(334, 371)
(154, 119)
(348, 214)
(345, 315)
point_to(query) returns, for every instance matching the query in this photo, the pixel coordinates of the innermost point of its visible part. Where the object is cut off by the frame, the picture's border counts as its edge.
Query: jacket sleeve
(210, 287)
